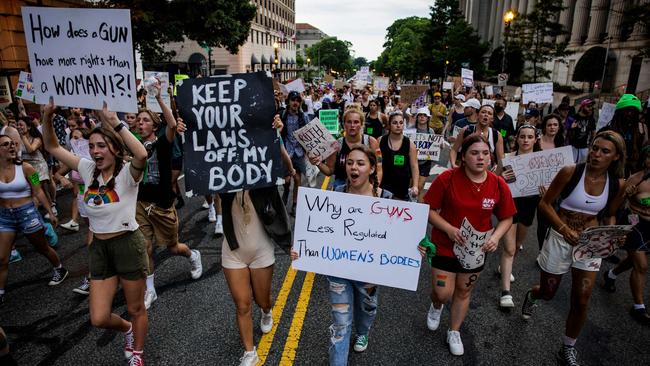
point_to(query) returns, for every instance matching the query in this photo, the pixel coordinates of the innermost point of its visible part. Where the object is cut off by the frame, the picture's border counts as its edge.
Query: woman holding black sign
(467, 194)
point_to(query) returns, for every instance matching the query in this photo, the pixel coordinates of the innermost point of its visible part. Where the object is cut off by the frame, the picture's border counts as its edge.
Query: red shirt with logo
(457, 197)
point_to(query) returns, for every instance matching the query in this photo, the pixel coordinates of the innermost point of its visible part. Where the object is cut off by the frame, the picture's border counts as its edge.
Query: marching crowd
(123, 171)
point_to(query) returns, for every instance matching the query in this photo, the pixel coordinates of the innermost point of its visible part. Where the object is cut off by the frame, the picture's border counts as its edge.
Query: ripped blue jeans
(350, 300)
(24, 219)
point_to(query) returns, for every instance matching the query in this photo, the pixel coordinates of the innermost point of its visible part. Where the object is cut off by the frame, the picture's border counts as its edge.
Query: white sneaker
(249, 358)
(266, 322)
(149, 297)
(506, 301)
(512, 277)
(70, 225)
(212, 214)
(218, 228)
(205, 205)
(55, 211)
(433, 317)
(455, 344)
(197, 266)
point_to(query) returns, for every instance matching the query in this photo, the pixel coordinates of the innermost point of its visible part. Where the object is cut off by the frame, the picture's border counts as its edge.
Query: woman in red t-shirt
(473, 193)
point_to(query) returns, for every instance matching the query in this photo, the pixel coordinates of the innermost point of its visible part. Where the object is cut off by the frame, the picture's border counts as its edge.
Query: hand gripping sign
(471, 254)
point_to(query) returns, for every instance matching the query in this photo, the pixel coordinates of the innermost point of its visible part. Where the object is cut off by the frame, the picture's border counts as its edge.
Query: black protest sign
(230, 143)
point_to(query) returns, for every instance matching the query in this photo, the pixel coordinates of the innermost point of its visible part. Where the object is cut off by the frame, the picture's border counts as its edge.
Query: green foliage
(299, 60)
(405, 48)
(359, 62)
(334, 54)
(461, 44)
(213, 23)
(638, 13)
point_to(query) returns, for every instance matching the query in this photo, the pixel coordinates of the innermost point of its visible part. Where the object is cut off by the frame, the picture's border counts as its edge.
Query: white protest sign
(152, 103)
(512, 109)
(361, 238)
(316, 140)
(488, 90)
(80, 147)
(360, 84)
(25, 87)
(468, 77)
(296, 85)
(600, 241)
(471, 255)
(536, 169)
(82, 57)
(489, 102)
(605, 115)
(456, 131)
(381, 83)
(447, 85)
(538, 93)
(5, 94)
(364, 70)
(428, 145)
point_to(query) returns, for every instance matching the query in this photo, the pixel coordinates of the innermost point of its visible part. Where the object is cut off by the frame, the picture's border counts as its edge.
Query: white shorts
(556, 256)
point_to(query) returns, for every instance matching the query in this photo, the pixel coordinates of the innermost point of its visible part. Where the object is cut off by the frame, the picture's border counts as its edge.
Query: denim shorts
(25, 219)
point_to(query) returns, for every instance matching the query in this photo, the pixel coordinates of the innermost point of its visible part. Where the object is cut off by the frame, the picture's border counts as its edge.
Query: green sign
(330, 119)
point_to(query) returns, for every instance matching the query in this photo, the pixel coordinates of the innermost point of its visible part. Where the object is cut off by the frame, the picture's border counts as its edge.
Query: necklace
(477, 187)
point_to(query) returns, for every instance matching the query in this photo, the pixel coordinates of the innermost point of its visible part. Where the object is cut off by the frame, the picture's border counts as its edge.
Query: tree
(514, 62)
(212, 23)
(332, 53)
(641, 14)
(535, 34)
(462, 44)
(359, 62)
(404, 49)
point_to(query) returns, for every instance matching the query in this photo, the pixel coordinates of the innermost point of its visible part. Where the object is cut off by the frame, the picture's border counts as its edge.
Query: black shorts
(425, 168)
(526, 208)
(451, 264)
(639, 238)
(177, 163)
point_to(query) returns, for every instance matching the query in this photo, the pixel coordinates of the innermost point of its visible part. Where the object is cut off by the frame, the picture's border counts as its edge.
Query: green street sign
(330, 119)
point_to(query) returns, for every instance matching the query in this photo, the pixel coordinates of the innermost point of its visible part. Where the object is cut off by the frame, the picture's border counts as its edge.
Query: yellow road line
(291, 345)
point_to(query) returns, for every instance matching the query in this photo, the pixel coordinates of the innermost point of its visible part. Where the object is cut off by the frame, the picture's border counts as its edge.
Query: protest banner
(537, 92)
(330, 119)
(471, 255)
(512, 109)
(410, 93)
(82, 57)
(381, 83)
(339, 84)
(177, 80)
(536, 169)
(447, 85)
(600, 241)
(428, 145)
(467, 76)
(296, 85)
(361, 238)
(489, 90)
(229, 143)
(316, 140)
(360, 84)
(605, 115)
(151, 101)
(5, 94)
(25, 87)
(456, 131)
(489, 102)
(328, 78)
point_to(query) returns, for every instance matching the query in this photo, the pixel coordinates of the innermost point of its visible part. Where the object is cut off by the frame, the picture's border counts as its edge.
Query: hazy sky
(362, 22)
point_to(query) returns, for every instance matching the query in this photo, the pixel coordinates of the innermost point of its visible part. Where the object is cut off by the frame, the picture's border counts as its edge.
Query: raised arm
(52, 143)
(32, 177)
(170, 131)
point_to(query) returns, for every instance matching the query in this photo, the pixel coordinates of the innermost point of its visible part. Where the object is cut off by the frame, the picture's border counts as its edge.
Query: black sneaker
(640, 315)
(83, 288)
(59, 275)
(528, 306)
(568, 356)
(609, 283)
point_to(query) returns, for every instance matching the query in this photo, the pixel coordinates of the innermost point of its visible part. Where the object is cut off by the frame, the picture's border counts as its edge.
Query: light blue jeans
(350, 300)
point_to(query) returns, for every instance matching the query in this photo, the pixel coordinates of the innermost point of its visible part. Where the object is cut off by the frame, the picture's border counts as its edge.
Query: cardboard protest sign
(361, 238)
(339, 84)
(330, 119)
(229, 143)
(471, 255)
(82, 57)
(536, 169)
(360, 84)
(428, 145)
(605, 115)
(488, 90)
(296, 85)
(25, 87)
(381, 83)
(456, 131)
(328, 78)
(538, 93)
(512, 109)
(5, 94)
(410, 93)
(152, 103)
(316, 140)
(447, 85)
(467, 76)
(600, 241)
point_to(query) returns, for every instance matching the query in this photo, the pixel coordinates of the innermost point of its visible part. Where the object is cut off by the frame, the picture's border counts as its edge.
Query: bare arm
(374, 146)
(137, 149)
(453, 153)
(52, 143)
(441, 224)
(546, 203)
(170, 131)
(32, 177)
(415, 168)
(31, 146)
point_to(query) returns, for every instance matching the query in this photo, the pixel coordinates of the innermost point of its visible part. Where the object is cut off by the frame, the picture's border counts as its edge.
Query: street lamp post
(308, 61)
(602, 78)
(508, 17)
(276, 61)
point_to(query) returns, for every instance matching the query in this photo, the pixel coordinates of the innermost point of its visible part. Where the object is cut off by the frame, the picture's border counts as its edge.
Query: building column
(615, 19)
(566, 17)
(639, 30)
(531, 6)
(498, 30)
(580, 19)
(598, 21)
(484, 20)
(523, 7)
(492, 22)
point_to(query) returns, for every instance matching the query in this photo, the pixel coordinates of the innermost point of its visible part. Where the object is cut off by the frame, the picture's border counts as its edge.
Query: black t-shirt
(374, 127)
(156, 185)
(505, 128)
(396, 167)
(579, 135)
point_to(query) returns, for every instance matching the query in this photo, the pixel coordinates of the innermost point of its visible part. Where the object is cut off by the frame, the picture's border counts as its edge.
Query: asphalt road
(193, 322)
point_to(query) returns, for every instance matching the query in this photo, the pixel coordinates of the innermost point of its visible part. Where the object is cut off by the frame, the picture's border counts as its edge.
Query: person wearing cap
(531, 117)
(438, 113)
(424, 166)
(293, 119)
(470, 109)
(582, 130)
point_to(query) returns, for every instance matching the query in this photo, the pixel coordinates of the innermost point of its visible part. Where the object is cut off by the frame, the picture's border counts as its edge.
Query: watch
(120, 126)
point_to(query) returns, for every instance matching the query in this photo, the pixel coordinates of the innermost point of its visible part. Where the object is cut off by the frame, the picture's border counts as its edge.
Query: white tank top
(580, 201)
(17, 188)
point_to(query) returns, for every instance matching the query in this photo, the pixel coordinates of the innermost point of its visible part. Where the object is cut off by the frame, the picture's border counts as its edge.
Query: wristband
(119, 127)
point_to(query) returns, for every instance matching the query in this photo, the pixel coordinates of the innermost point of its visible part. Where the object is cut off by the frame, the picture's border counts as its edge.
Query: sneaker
(136, 359)
(149, 297)
(84, 288)
(197, 266)
(59, 275)
(15, 256)
(568, 356)
(512, 277)
(212, 214)
(610, 283)
(218, 228)
(71, 225)
(205, 205)
(433, 317)
(266, 322)
(361, 343)
(640, 315)
(528, 307)
(506, 301)
(128, 344)
(249, 358)
(455, 343)
(54, 210)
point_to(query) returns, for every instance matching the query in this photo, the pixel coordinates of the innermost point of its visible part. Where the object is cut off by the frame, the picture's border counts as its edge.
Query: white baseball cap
(460, 97)
(424, 110)
(472, 102)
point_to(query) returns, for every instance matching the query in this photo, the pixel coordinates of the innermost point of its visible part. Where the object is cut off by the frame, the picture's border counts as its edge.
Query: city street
(193, 322)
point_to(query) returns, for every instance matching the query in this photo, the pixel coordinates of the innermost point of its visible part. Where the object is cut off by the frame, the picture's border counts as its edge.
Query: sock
(59, 266)
(571, 342)
(137, 354)
(219, 219)
(150, 283)
(505, 292)
(130, 329)
(611, 274)
(639, 306)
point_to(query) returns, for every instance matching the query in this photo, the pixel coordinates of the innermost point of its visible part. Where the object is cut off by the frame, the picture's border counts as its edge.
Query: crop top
(580, 201)
(109, 210)
(18, 187)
